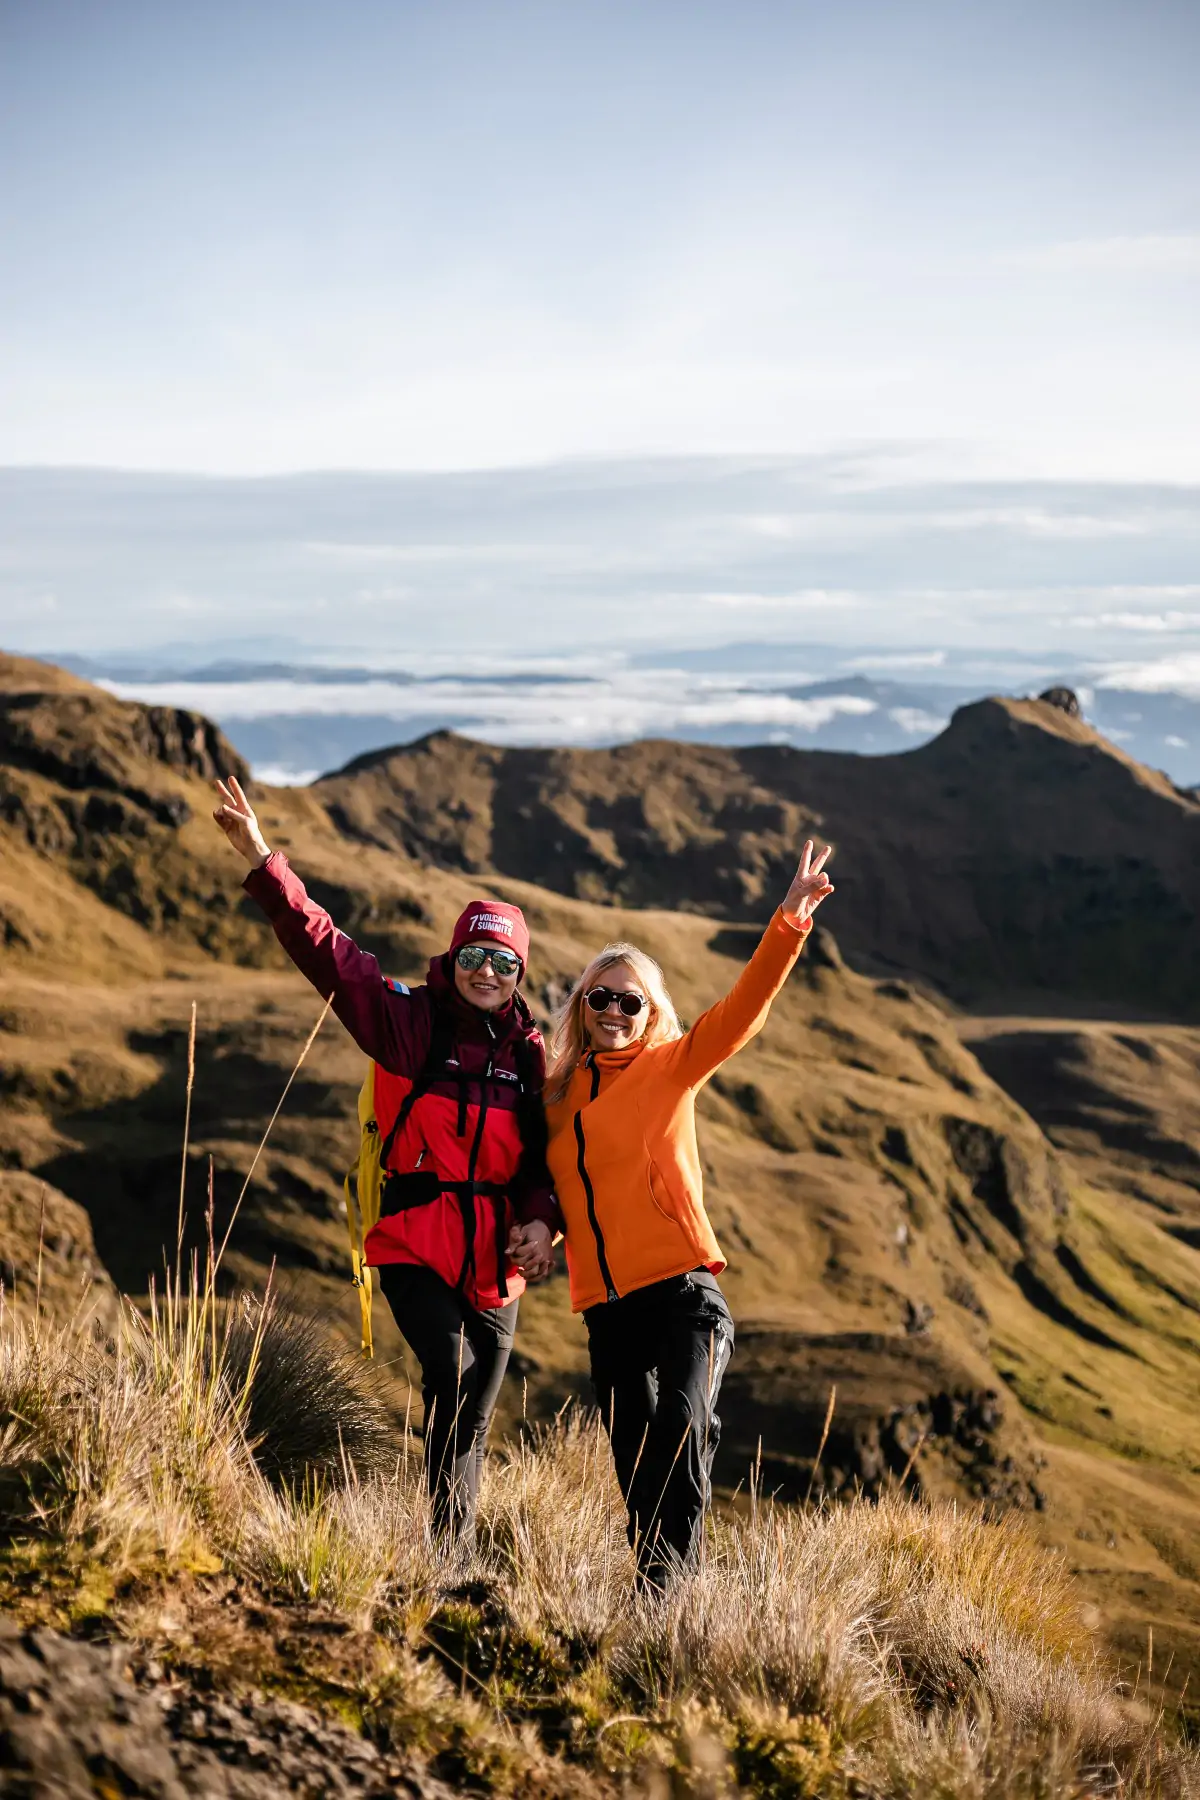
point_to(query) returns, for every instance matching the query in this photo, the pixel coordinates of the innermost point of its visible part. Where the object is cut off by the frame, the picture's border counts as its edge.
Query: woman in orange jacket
(641, 1253)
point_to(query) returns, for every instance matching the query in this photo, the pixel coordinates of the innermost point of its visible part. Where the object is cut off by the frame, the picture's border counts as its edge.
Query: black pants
(658, 1356)
(463, 1355)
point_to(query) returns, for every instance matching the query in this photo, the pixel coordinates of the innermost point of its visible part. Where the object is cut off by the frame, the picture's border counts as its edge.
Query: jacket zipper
(590, 1195)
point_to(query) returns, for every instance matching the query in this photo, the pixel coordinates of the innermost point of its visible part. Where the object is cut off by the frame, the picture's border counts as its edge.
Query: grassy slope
(897, 1650)
(1122, 1103)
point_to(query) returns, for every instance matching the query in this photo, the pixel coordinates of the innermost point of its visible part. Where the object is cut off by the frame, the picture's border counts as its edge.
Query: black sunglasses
(473, 956)
(601, 998)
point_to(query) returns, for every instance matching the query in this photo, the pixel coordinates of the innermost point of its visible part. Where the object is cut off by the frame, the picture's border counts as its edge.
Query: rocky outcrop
(903, 1414)
(90, 741)
(47, 1252)
(108, 789)
(73, 1722)
(1065, 699)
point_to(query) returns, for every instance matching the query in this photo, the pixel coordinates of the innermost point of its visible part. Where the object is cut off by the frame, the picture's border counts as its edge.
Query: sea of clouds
(294, 722)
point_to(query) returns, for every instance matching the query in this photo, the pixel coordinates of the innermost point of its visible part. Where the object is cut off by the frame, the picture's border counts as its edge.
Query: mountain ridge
(1015, 800)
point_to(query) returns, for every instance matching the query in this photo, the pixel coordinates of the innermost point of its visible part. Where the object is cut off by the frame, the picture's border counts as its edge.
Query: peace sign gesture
(810, 885)
(239, 822)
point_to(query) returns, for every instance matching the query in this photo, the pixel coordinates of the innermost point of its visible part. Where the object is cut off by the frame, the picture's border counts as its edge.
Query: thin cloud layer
(620, 555)
(1166, 675)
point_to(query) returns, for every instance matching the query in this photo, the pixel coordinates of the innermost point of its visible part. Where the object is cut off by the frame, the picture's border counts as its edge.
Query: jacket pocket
(660, 1193)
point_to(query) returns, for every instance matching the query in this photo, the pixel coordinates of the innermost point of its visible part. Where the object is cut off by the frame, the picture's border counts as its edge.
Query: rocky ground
(75, 1721)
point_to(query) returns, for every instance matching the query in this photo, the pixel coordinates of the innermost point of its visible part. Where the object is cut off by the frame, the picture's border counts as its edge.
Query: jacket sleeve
(381, 1022)
(532, 1190)
(729, 1025)
(533, 1197)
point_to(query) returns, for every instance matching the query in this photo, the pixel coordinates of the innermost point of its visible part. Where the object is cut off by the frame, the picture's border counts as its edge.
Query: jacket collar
(611, 1062)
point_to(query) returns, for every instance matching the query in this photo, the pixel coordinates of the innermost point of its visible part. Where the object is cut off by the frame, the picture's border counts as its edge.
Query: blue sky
(266, 237)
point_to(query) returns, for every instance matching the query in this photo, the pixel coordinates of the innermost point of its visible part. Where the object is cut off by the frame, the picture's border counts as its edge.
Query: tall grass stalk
(309, 1041)
(187, 1131)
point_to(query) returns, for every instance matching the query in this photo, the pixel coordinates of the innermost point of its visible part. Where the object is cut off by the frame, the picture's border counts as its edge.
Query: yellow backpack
(364, 1186)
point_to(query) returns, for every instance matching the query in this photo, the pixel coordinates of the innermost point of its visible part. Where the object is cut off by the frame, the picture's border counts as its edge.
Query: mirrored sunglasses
(473, 956)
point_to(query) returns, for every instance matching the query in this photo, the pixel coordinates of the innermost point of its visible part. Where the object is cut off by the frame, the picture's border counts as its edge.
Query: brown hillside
(999, 1311)
(1017, 859)
(105, 789)
(1123, 1099)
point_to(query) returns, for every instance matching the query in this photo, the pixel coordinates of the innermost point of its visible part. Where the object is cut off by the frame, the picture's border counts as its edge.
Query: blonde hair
(568, 1039)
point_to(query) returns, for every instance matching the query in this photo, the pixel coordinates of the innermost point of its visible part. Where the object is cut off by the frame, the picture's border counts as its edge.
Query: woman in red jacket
(459, 1071)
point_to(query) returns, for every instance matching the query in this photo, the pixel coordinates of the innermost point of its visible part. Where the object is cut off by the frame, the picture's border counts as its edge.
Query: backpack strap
(361, 1187)
(441, 1044)
(469, 1186)
(526, 1063)
(531, 1114)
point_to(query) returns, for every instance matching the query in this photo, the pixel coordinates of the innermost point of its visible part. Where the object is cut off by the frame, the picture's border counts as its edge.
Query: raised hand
(810, 885)
(238, 821)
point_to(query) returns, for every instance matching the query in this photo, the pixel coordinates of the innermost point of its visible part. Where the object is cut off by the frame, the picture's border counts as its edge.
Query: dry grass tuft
(117, 1444)
(314, 1409)
(551, 1518)
(354, 1547)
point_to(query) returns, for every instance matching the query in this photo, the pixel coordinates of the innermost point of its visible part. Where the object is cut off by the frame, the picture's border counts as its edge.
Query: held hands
(810, 885)
(238, 821)
(531, 1247)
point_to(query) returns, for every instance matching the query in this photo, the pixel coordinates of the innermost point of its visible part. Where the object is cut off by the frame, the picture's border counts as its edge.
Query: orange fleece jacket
(623, 1149)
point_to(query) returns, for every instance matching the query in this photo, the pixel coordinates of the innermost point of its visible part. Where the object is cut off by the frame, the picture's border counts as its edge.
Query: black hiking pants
(463, 1354)
(658, 1357)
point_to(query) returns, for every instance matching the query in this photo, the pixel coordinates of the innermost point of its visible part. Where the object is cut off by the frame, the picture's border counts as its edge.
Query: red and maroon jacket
(460, 1236)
